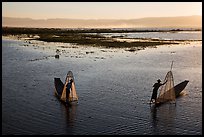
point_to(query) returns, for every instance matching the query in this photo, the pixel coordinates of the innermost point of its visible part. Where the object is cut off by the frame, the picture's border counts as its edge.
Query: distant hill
(182, 21)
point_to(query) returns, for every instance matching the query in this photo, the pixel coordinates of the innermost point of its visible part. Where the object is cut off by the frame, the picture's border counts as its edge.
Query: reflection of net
(167, 92)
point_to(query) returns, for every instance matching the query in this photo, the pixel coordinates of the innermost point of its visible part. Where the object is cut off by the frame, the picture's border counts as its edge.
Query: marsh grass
(90, 37)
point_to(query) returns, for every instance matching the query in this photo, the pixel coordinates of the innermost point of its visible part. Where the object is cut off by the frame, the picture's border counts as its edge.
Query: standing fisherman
(156, 87)
(68, 87)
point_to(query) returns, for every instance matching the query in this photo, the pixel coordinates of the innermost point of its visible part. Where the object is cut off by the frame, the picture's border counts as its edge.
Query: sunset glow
(99, 10)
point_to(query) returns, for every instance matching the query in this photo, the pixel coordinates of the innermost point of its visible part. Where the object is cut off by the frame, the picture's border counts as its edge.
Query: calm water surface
(182, 35)
(114, 87)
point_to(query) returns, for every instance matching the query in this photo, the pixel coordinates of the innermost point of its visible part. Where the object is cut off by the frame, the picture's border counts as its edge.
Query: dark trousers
(154, 95)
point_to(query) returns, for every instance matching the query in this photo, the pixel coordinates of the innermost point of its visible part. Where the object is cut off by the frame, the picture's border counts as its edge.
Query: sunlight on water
(186, 35)
(114, 87)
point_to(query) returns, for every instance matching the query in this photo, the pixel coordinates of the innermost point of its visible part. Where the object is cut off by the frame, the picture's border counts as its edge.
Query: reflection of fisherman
(68, 88)
(156, 87)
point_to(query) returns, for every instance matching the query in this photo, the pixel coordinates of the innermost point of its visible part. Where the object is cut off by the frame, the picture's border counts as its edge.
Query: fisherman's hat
(159, 80)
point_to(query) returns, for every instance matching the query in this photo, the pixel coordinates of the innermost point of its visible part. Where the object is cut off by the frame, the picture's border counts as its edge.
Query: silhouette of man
(68, 87)
(156, 87)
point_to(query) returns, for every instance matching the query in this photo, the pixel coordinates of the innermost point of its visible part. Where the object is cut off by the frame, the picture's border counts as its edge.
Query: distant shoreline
(89, 37)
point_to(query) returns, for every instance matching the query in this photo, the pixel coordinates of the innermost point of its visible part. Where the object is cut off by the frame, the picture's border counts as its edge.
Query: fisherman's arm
(164, 82)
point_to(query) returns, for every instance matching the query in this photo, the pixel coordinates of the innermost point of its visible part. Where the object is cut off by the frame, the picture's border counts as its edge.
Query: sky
(99, 10)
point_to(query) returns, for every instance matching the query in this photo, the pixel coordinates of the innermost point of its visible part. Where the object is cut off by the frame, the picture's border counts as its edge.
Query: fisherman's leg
(151, 100)
(67, 96)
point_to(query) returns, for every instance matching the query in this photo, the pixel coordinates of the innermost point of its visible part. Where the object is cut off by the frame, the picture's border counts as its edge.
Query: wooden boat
(178, 89)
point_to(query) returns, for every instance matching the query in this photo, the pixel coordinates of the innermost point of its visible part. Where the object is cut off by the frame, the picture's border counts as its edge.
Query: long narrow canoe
(180, 87)
(59, 86)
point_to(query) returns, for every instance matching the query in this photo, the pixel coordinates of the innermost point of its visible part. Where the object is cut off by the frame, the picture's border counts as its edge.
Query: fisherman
(156, 87)
(68, 87)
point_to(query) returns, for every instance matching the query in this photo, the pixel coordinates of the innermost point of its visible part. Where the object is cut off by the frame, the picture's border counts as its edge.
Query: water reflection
(71, 114)
(154, 114)
(154, 118)
(163, 119)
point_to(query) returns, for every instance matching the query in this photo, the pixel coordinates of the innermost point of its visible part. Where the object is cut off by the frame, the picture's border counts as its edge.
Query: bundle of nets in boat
(166, 92)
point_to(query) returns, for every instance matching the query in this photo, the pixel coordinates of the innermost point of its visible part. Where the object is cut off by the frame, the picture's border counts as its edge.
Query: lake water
(114, 87)
(180, 35)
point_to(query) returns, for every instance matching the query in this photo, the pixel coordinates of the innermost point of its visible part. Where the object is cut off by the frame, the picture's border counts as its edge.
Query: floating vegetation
(57, 56)
(87, 52)
(131, 49)
(90, 37)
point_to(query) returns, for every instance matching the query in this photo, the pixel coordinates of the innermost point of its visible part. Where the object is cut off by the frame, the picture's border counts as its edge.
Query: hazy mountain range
(182, 21)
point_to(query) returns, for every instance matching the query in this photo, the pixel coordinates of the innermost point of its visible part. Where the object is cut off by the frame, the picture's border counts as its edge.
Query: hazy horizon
(101, 14)
(179, 21)
(99, 10)
(99, 19)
